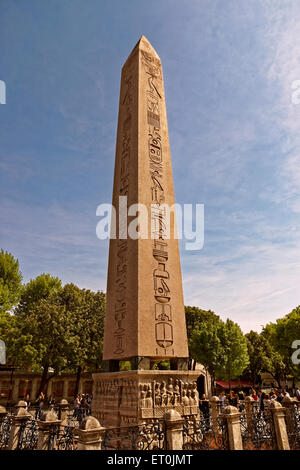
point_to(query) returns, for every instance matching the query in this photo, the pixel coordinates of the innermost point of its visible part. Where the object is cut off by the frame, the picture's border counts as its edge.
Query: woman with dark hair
(232, 399)
(204, 408)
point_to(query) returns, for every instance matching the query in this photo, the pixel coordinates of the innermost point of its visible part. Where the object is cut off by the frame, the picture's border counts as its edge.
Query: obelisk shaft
(145, 310)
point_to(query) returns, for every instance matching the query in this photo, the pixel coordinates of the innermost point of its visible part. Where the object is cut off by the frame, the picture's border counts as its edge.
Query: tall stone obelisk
(145, 319)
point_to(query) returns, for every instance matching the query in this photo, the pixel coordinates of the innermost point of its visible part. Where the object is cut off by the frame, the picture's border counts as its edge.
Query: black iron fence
(293, 425)
(5, 428)
(148, 436)
(204, 434)
(257, 429)
(206, 431)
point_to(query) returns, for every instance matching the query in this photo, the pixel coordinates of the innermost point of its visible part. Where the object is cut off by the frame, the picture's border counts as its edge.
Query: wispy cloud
(282, 68)
(55, 239)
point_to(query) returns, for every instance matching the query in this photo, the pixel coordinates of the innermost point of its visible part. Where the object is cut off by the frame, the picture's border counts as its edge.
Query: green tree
(60, 328)
(206, 346)
(236, 357)
(281, 335)
(10, 281)
(37, 289)
(37, 334)
(260, 355)
(196, 318)
(45, 340)
(86, 310)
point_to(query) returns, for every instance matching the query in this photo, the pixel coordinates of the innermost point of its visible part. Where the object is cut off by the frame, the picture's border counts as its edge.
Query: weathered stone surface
(90, 434)
(145, 310)
(278, 413)
(49, 416)
(232, 417)
(131, 397)
(21, 404)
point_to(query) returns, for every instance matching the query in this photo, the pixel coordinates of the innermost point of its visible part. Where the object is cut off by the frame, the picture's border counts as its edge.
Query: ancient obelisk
(145, 319)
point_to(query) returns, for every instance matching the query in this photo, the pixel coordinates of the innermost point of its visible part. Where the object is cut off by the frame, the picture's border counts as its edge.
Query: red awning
(234, 384)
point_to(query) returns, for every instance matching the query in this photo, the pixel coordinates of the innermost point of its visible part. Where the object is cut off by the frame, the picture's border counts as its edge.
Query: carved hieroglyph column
(145, 310)
(145, 318)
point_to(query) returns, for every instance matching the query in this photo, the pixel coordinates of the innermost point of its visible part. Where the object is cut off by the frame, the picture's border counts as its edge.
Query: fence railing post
(231, 416)
(3, 413)
(278, 414)
(291, 424)
(215, 412)
(63, 413)
(174, 430)
(63, 407)
(48, 424)
(18, 420)
(5, 433)
(90, 434)
(249, 413)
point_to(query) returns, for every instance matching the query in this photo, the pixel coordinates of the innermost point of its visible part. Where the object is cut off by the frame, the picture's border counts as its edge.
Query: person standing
(204, 406)
(232, 399)
(76, 406)
(222, 398)
(51, 402)
(39, 405)
(261, 401)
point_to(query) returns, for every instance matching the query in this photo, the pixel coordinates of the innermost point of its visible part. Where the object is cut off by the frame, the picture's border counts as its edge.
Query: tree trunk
(213, 391)
(278, 380)
(78, 374)
(229, 381)
(44, 380)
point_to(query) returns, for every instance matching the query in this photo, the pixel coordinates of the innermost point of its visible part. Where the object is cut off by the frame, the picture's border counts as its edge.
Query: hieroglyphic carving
(122, 245)
(116, 401)
(154, 398)
(123, 401)
(161, 276)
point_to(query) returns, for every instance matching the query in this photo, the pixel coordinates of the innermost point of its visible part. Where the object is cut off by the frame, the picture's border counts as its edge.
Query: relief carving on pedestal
(156, 397)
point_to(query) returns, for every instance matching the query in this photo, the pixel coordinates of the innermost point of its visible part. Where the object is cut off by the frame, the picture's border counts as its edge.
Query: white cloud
(282, 41)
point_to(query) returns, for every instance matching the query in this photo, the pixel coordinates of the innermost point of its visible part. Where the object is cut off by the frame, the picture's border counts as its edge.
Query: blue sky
(234, 135)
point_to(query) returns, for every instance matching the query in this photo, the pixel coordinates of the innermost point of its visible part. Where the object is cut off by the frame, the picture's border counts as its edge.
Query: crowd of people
(262, 398)
(81, 405)
(237, 398)
(42, 402)
(82, 402)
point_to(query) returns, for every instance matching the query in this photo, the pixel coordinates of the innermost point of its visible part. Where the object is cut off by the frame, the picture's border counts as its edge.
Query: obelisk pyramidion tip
(145, 45)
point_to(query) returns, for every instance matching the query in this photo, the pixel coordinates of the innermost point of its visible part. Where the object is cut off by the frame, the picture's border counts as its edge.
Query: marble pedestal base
(137, 396)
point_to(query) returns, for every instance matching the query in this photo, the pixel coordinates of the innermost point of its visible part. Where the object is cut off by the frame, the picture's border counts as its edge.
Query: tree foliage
(55, 328)
(10, 281)
(235, 352)
(196, 322)
(281, 336)
(260, 355)
(206, 347)
(38, 289)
